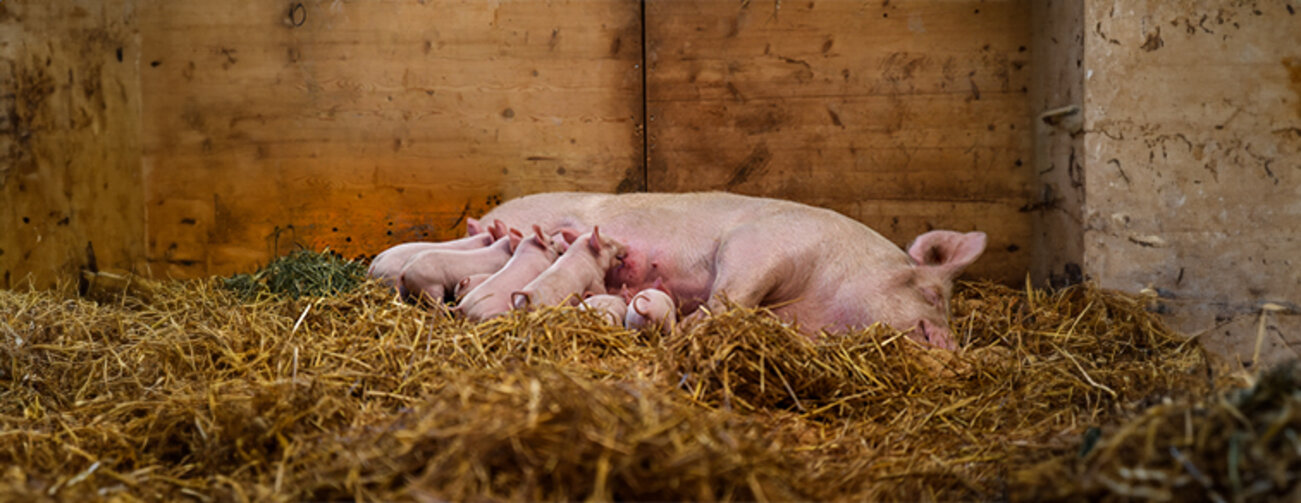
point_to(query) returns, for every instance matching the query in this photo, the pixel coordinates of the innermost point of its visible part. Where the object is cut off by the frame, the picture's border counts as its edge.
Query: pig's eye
(933, 297)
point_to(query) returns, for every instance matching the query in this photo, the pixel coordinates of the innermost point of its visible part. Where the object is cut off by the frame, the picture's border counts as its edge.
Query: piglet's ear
(543, 238)
(569, 235)
(515, 238)
(520, 300)
(947, 252)
(499, 229)
(472, 227)
(595, 240)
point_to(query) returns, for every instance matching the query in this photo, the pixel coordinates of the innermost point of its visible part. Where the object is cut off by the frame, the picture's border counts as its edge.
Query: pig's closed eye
(933, 297)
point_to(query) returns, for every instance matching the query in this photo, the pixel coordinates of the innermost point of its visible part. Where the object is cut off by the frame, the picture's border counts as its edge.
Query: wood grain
(907, 116)
(358, 125)
(69, 141)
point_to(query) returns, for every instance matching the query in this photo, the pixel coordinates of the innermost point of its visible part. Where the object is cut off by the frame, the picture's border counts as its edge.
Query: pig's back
(583, 210)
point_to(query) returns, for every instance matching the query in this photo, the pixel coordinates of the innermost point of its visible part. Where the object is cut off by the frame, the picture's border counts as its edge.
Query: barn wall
(1056, 102)
(1192, 149)
(906, 115)
(358, 125)
(69, 139)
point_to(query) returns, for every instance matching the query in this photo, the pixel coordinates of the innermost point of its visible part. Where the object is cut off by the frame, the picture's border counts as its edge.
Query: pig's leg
(751, 266)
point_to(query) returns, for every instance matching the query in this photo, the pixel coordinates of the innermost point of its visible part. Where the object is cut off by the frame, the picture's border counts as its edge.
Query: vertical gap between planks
(645, 108)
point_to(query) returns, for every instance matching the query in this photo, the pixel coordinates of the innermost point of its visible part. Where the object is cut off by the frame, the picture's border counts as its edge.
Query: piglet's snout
(936, 335)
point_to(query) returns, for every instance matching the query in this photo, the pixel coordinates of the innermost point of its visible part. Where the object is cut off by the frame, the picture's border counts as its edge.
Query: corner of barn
(183, 186)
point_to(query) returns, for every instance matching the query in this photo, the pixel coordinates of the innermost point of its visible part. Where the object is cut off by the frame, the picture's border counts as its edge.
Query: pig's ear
(499, 229)
(472, 227)
(637, 302)
(569, 235)
(947, 252)
(520, 300)
(543, 238)
(515, 238)
(595, 240)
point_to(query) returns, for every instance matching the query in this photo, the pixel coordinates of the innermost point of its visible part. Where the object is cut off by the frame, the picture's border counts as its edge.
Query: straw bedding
(175, 390)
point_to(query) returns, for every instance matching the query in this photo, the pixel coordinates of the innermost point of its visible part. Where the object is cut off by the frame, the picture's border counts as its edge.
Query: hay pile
(1239, 446)
(195, 392)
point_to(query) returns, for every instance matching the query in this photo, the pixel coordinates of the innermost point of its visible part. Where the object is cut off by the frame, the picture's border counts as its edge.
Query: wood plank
(916, 107)
(1057, 82)
(375, 123)
(69, 140)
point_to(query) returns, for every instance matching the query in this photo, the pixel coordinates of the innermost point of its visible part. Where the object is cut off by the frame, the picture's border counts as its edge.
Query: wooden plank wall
(358, 125)
(69, 140)
(906, 115)
(1057, 84)
(235, 131)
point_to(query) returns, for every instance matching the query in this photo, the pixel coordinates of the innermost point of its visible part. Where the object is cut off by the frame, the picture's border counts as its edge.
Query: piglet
(492, 297)
(434, 273)
(611, 308)
(653, 308)
(468, 284)
(388, 265)
(581, 269)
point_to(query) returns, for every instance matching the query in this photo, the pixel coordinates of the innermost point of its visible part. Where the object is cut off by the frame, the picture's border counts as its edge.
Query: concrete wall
(1192, 159)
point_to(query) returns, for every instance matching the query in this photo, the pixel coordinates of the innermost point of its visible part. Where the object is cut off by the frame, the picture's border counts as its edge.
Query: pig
(433, 274)
(652, 308)
(387, 266)
(611, 308)
(816, 268)
(580, 270)
(492, 297)
(468, 284)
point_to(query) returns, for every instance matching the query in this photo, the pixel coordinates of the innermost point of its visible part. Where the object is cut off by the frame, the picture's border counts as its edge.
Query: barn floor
(183, 389)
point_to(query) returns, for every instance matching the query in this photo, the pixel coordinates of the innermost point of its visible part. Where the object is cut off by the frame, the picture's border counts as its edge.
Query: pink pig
(387, 266)
(434, 273)
(818, 268)
(651, 308)
(611, 308)
(580, 270)
(492, 297)
(468, 284)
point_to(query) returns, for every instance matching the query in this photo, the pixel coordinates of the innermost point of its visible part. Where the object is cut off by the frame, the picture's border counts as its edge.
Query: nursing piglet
(434, 273)
(611, 308)
(468, 284)
(580, 270)
(651, 308)
(388, 265)
(492, 297)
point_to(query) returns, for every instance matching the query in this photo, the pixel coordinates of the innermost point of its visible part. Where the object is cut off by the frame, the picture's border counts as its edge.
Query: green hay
(302, 273)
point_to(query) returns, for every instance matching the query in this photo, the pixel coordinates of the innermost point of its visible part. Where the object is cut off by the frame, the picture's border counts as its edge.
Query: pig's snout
(936, 335)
